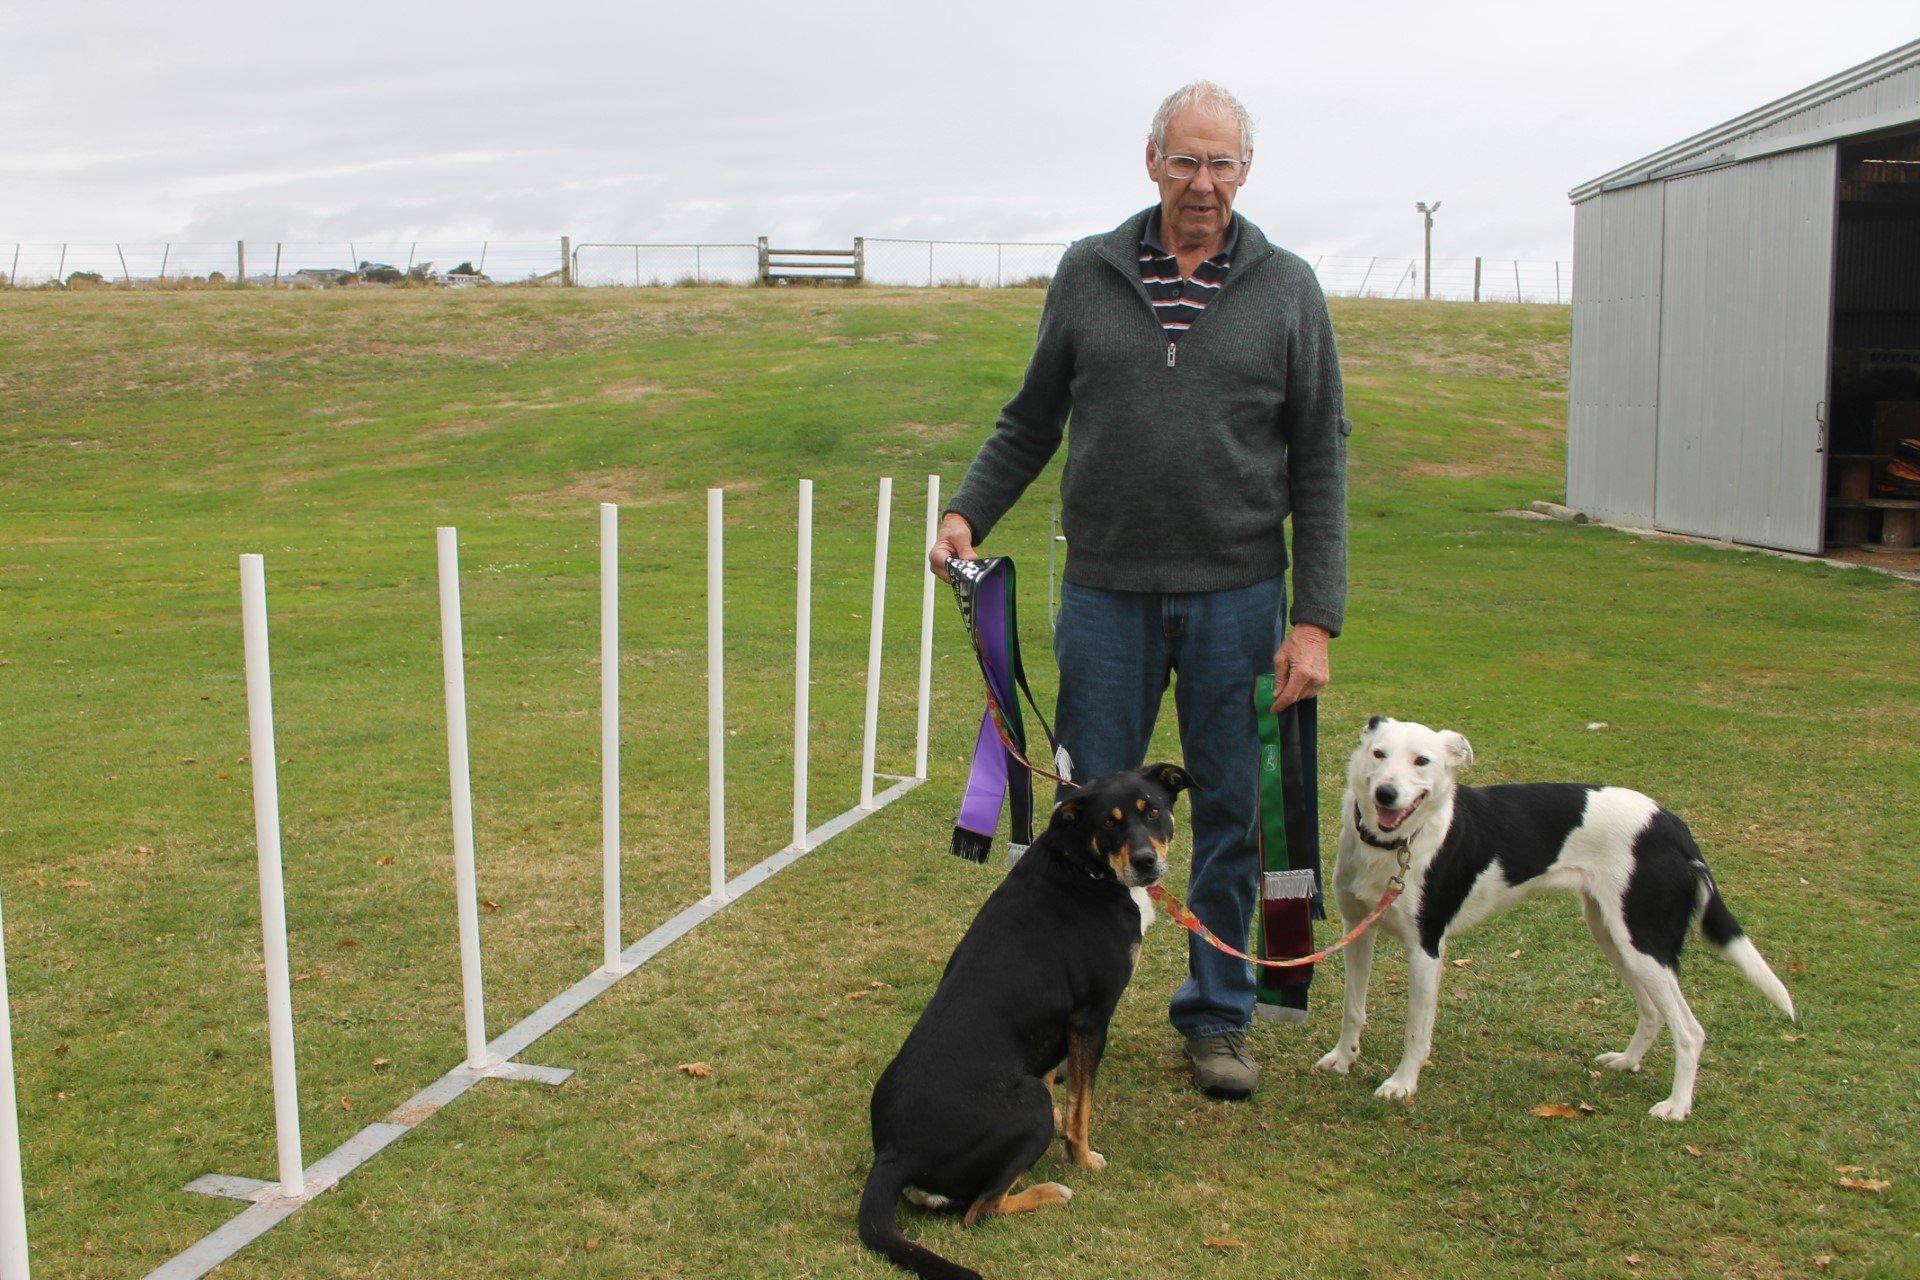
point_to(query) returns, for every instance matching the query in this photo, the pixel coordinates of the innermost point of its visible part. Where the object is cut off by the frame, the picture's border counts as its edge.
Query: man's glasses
(1183, 167)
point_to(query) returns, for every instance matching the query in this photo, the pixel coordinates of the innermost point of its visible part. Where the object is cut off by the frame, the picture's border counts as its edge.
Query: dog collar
(1360, 825)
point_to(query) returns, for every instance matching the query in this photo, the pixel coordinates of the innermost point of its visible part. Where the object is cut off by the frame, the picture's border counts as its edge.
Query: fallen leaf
(592, 1246)
(1695, 1152)
(1458, 993)
(858, 995)
(346, 1104)
(62, 1049)
(491, 906)
(698, 1070)
(384, 860)
(224, 777)
(1555, 1111)
(1223, 1242)
(344, 943)
(76, 884)
(879, 986)
(1792, 1039)
(1513, 955)
(1588, 1109)
(1634, 1259)
(143, 848)
(1823, 1260)
(1849, 1168)
(1461, 964)
(1874, 1185)
(381, 1064)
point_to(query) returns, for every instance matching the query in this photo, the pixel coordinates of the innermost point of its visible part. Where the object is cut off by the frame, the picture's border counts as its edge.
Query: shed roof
(1797, 120)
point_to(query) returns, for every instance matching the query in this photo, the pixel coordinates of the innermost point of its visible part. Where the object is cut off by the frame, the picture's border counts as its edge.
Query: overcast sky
(202, 120)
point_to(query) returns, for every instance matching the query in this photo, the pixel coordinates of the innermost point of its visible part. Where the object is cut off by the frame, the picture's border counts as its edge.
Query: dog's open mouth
(1391, 819)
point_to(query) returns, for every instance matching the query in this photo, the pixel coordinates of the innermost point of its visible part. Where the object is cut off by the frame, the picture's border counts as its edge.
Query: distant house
(1746, 320)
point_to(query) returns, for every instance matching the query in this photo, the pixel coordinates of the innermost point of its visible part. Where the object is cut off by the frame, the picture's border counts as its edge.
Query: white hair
(1202, 95)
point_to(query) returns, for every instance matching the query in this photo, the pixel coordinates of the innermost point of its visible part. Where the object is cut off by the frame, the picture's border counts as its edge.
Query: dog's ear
(1374, 722)
(1170, 776)
(1068, 810)
(1459, 750)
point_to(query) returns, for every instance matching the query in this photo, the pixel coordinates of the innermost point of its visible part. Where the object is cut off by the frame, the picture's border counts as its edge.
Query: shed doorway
(1873, 478)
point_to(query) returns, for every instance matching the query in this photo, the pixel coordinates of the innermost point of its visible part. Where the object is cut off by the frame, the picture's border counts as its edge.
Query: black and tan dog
(965, 1108)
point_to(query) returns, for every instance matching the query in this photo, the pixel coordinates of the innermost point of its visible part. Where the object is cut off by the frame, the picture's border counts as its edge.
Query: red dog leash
(1178, 912)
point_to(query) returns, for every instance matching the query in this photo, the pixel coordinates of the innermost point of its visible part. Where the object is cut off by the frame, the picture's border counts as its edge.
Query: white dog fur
(1475, 851)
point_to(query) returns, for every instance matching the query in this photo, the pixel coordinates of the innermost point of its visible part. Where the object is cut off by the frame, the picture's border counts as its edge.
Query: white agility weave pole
(273, 905)
(716, 709)
(610, 731)
(871, 737)
(925, 705)
(802, 663)
(13, 1192)
(459, 778)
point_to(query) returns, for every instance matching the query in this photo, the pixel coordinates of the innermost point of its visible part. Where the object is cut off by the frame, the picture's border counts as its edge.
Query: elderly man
(1189, 363)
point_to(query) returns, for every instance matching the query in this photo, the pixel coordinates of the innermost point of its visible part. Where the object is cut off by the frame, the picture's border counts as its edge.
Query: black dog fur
(965, 1108)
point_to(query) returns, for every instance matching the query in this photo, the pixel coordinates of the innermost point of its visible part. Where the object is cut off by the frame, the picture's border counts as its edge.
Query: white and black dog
(1472, 852)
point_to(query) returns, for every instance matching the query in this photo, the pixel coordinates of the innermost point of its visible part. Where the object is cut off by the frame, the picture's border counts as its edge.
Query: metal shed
(1746, 322)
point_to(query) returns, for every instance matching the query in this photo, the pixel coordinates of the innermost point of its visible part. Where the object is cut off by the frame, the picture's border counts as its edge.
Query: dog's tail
(880, 1231)
(1719, 928)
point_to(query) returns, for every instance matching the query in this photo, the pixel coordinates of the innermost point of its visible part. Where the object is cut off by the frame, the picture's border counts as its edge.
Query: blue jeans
(1117, 651)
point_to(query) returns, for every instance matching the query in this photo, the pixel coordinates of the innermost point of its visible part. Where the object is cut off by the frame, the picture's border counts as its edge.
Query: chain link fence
(284, 263)
(925, 263)
(1454, 279)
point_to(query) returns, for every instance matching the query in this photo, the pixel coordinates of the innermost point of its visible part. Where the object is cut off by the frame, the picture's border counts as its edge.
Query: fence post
(876, 631)
(610, 732)
(716, 706)
(167, 252)
(273, 898)
(859, 259)
(802, 663)
(929, 264)
(13, 1199)
(13, 276)
(60, 274)
(1476, 279)
(1516, 281)
(276, 264)
(697, 278)
(760, 271)
(566, 261)
(240, 254)
(1556, 280)
(459, 775)
(124, 273)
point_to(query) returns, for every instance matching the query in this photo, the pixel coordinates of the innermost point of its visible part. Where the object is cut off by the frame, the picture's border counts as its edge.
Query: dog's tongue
(1391, 818)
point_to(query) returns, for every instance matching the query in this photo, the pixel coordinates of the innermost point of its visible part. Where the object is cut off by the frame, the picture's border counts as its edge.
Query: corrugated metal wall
(1613, 394)
(1746, 310)
(1889, 93)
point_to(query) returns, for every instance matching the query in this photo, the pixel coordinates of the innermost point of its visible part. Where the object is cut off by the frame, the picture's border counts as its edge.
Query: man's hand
(955, 541)
(1301, 668)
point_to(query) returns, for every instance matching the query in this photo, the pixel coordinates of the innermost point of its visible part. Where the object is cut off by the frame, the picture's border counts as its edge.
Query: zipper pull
(1172, 347)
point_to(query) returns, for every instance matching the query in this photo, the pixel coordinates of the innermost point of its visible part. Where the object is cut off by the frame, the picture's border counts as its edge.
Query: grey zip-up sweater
(1184, 460)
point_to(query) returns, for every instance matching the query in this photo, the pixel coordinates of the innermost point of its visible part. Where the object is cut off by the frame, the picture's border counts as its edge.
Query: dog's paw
(1671, 1109)
(1394, 1087)
(1054, 1192)
(1618, 1061)
(1339, 1061)
(1087, 1158)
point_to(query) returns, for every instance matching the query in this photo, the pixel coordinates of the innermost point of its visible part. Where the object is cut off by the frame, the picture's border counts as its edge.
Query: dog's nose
(1145, 861)
(1385, 795)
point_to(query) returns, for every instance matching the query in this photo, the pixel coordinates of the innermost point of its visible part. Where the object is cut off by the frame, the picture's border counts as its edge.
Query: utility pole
(1426, 212)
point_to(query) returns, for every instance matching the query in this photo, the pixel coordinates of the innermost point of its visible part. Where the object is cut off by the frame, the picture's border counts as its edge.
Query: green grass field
(147, 440)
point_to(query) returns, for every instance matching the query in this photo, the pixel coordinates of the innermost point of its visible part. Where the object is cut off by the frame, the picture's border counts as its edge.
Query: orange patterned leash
(1179, 913)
